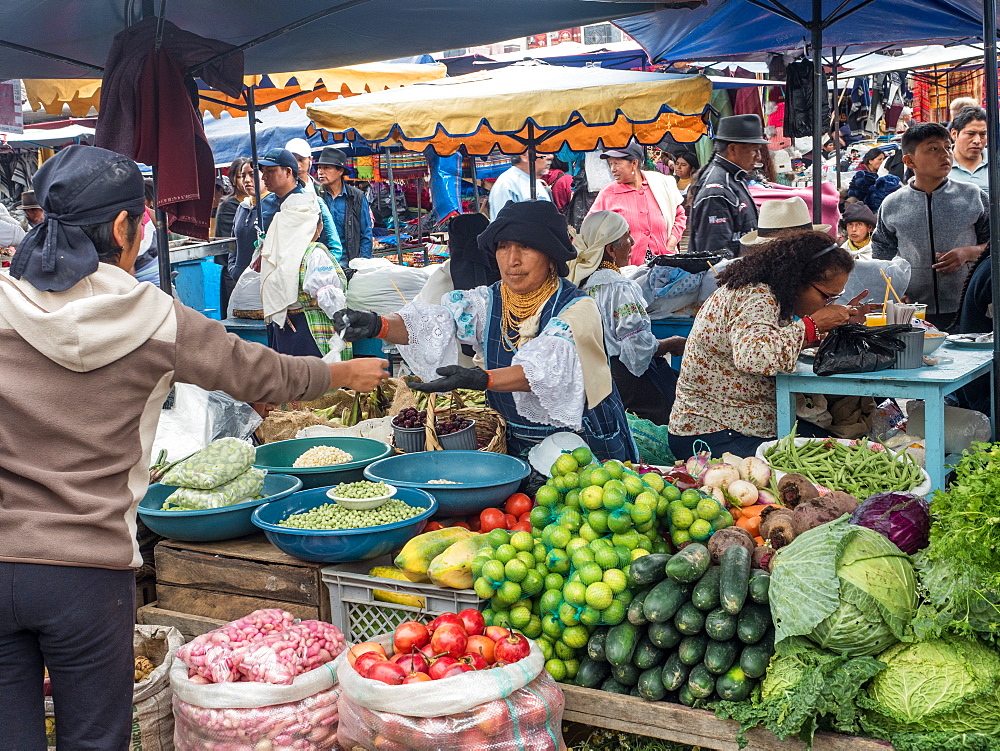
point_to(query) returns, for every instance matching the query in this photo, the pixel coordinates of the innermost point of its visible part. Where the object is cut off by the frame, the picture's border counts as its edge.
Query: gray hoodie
(918, 225)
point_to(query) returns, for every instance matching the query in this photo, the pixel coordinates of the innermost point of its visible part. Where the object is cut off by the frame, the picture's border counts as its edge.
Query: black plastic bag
(855, 348)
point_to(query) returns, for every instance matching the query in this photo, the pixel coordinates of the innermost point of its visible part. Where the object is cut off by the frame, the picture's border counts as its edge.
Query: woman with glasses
(776, 299)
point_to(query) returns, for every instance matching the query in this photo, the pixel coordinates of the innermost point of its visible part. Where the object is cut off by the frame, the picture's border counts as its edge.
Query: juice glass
(920, 312)
(875, 319)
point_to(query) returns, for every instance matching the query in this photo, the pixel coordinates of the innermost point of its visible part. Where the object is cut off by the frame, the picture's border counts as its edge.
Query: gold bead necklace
(515, 309)
(610, 265)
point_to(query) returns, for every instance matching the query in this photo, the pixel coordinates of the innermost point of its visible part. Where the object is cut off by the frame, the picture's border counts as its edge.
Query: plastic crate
(356, 612)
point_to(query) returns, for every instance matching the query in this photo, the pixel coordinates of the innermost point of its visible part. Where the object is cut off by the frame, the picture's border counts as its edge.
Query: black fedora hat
(741, 129)
(331, 156)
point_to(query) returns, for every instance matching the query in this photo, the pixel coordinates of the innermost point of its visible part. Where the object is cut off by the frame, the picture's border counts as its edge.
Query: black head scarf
(79, 186)
(536, 224)
(470, 266)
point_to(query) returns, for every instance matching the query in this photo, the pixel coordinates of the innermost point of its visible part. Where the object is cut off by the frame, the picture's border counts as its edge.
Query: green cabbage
(936, 686)
(844, 587)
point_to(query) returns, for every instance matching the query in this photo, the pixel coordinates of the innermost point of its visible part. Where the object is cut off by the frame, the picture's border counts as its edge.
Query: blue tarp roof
(733, 28)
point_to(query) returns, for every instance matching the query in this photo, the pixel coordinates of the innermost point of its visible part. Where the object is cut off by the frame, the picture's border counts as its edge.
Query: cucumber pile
(693, 632)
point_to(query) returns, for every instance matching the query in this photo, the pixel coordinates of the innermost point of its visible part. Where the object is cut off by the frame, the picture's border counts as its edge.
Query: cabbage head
(846, 588)
(941, 685)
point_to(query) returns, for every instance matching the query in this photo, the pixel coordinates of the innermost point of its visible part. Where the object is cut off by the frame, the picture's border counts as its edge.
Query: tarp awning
(923, 57)
(52, 137)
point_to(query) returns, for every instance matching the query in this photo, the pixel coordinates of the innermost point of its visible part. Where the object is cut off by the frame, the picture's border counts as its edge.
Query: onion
(696, 464)
(743, 492)
(754, 470)
(720, 475)
(766, 497)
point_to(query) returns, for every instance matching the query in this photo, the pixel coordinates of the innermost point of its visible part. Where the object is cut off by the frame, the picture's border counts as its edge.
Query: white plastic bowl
(544, 455)
(360, 504)
(921, 490)
(933, 340)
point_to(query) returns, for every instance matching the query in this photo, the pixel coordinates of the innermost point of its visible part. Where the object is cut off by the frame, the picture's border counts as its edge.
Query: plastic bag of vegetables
(241, 488)
(217, 463)
(508, 708)
(846, 588)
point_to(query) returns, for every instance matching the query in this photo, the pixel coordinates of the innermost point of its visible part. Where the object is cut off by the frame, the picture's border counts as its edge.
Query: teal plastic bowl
(278, 458)
(340, 545)
(483, 478)
(209, 525)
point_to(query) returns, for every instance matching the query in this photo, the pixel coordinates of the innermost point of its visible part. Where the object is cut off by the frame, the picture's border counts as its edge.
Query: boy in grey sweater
(940, 226)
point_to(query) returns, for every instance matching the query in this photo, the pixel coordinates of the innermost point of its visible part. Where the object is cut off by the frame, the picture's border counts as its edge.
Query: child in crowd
(856, 226)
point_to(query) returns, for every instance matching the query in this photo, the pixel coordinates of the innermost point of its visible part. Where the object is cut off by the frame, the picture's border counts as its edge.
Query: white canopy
(913, 59)
(52, 137)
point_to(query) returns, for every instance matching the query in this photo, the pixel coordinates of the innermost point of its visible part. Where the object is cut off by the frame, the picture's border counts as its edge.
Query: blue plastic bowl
(483, 478)
(279, 457)
(209, 525)
(340, 545)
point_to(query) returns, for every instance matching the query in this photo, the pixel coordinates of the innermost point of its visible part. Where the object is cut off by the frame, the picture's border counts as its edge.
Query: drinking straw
(889, 287)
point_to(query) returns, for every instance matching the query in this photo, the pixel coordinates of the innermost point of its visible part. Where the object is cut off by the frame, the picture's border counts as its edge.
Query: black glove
(355, 325)
(455, 377)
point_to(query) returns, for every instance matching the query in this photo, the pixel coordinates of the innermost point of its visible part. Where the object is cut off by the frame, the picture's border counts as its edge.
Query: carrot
(743, 523)
(752, 524)
(736, 512)
(753, 510)
(759, 540)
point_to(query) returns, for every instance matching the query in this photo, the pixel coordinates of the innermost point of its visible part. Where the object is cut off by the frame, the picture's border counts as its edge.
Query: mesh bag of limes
(570, 574)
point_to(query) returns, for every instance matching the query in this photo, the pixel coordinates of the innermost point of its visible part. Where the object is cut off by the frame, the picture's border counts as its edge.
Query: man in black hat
(723, 209)
(351, 213)
(33, 213)
(280, 170)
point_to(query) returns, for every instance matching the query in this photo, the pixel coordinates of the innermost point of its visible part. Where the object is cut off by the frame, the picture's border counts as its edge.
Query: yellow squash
(453, 568)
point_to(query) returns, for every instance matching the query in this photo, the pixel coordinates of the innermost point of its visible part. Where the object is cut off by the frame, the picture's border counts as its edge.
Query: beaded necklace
(610, 265)
(515, 309)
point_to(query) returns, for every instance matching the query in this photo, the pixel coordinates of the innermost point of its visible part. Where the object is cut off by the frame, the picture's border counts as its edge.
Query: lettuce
(844, 587)
(956, 600)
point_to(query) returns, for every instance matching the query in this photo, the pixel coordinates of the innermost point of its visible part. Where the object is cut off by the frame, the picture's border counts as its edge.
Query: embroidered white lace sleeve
(631, 324)
(553, 370)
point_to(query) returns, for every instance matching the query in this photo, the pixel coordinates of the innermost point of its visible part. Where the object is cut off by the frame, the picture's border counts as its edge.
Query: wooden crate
(226, 580)
(190, 626)
(695, 727)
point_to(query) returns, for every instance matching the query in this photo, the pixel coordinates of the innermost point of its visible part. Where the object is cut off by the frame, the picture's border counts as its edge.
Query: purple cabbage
(902, 518)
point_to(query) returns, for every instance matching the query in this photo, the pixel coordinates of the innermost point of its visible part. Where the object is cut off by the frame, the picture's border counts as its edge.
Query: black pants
(649, 396)
(77, 622)
(739, 444)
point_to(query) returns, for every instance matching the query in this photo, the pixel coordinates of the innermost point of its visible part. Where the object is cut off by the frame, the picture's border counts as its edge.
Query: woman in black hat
(857, 224)
(540, 338)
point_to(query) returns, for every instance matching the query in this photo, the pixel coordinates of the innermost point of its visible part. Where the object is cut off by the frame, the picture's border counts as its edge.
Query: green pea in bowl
(360, 504)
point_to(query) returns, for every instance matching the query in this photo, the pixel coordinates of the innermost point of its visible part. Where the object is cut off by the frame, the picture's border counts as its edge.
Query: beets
(902, 518)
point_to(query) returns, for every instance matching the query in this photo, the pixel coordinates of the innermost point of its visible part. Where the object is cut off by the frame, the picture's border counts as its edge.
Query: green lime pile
(694, 517)
(569, 575)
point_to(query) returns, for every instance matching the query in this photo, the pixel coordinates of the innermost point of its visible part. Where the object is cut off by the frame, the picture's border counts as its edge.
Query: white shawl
(287, 240)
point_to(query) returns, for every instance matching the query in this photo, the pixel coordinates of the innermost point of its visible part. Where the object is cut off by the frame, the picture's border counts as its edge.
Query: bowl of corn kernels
(321, 462)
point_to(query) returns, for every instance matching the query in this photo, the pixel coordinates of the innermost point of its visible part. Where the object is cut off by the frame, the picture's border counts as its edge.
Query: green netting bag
(216, 464)
(651, 440)
(241, 488)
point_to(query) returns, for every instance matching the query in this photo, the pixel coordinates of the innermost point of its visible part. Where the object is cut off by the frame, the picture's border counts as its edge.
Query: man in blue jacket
(351, 213)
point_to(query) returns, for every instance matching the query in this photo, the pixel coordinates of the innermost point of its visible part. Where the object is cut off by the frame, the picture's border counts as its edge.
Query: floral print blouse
(736, 347)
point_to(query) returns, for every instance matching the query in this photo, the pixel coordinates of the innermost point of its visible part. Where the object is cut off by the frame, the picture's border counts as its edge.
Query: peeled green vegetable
(239, 489)
(216, 464)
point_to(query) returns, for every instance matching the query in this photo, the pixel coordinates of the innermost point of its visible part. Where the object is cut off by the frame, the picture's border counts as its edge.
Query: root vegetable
(762, 556)
(820, 510)
(720, 476)
(756, 471)
(766, 497)
(697, 464)
(728, 458)
(777, 526)
(726, 538)
(744, 493)
(794, 488)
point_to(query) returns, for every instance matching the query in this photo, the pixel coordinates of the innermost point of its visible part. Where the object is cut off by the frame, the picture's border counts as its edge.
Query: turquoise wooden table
(931, 384)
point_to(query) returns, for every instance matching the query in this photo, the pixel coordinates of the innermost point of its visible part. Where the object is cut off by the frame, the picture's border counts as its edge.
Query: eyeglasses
(830, 299)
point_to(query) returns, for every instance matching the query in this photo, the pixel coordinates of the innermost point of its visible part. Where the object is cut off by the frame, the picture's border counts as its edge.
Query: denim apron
(605, 427)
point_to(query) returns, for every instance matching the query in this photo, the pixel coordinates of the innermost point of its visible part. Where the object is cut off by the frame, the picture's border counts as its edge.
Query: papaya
(416, 556)
(391, 572)
(453, 568)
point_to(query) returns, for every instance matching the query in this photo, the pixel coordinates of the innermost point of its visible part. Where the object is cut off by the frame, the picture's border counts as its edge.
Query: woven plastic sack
(211, 655)
(217, 463)
(280, 657)
(237, 490)
(652, 440)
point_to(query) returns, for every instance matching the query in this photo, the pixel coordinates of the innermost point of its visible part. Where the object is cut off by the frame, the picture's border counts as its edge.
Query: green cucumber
(753, 623)
(634, 691)
(612, 686)
(651, 684)
(701, 682)
(720, 625)
(689, 564)
(591, 673)
(760, 583)
(664, 635)
(663, 601)
(627, 674)
(635, 614)
(684, 695)
(621, 643)
(596, 644)
(647, 654)
(720, 656)
(706, 592)
(648, 570)
(734, 685)
(675, 673)
(755, 659)
(734, 579)
(691, 650)
(689, 620)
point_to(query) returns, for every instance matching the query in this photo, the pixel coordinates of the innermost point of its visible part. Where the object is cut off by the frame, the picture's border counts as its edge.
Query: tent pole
(531, 161)
(836, 113)
(475, 187)
(395, 213)
(252, 115)
(819, 91)
(993, 171)
(162, 241)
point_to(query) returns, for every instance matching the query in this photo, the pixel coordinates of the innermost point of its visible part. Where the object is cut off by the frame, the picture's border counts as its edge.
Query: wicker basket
(491, 428)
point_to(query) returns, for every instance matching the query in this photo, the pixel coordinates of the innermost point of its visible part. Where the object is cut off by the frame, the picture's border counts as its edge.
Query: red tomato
(409, 636)
(512, 649)
(521, 527)
(450, 639)
(464, 525)
(492, 518)
(440, 665)
(511, 520)
(457, 669)
(365, 662)
(387, 672)
(417, 678)
(433, 526)
(518, 504)
(443, 619)
(474, 524)
(525, 517)
(473, 621)
(481, 645)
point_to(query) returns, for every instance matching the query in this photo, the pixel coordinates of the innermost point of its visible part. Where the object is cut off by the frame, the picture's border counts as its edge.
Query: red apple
(412, 663)
(366, 646)
(387, 672)
(440, 665)
(417, 678)
(443, 619)
(512, 648)
(363, 664)
(496, 633)
(474, 660)
(473, 621)
(409, 636)
(481, 645)
(457, 669)
(450, 639)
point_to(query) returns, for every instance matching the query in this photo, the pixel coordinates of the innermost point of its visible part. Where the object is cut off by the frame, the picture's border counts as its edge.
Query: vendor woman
(773, 301)
(538, 335)
(644, 379)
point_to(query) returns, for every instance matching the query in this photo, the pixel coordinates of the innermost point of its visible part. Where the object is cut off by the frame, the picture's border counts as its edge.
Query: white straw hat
(778, 216)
